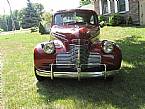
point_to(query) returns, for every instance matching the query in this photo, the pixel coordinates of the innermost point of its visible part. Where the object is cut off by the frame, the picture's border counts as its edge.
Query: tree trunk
(13, 23)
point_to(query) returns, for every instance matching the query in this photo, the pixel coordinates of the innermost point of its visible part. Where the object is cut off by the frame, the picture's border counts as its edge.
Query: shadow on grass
(132, 26)
(127, 90)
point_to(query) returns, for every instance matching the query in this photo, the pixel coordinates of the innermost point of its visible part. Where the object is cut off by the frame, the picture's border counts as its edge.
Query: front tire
(39, 78)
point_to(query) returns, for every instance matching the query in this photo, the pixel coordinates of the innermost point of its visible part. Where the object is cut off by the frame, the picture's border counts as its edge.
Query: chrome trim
(51, 72)
(105, 72)
(79, 71)
(77, 74)
(58, 35)
(73, 56)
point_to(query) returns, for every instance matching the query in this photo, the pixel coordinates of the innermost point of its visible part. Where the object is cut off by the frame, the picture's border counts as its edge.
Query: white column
(115, 6)
(100, 6)
(109, 9)
(126, 5)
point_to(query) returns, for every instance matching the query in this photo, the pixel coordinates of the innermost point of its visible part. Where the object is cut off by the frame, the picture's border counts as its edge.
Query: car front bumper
(74, 71)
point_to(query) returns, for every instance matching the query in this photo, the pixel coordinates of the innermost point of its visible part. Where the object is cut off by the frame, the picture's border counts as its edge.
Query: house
(127, 8)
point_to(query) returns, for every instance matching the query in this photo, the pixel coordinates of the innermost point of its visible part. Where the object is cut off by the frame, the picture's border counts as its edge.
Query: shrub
(129, 21)
(41, 29)
(116, 19)
(101, 18)
(1, 30)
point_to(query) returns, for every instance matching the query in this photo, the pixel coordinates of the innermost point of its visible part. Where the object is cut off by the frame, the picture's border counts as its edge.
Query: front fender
(112, 60)
(42, 60)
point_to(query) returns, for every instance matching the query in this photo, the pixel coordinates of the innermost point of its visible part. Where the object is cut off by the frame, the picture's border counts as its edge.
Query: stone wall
(134, 11)
(96, 7)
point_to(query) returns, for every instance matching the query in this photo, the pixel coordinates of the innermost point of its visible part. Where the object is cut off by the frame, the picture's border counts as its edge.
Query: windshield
(75, 17)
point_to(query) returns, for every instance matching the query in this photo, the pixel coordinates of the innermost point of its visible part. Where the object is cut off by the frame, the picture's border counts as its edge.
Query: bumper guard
(74, 74)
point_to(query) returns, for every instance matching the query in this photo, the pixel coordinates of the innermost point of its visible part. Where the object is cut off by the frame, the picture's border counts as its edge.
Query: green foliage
(9, 23)
(101, 18)
(6, 23)
(85, 2)
(41, 29)
(129, 21)
(1, 30)
(116, 19)
(32, 15)
(3, 23)
(38, 7)
(16, 17)
(47, 17)
(16, 14)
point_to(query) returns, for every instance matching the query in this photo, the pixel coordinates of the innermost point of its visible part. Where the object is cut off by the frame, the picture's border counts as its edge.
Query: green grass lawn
(22, 91)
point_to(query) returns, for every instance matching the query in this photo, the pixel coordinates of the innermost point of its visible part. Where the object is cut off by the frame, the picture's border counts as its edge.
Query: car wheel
(39, 78)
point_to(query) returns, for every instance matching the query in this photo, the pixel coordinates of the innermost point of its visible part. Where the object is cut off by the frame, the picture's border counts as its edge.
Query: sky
(48, 4)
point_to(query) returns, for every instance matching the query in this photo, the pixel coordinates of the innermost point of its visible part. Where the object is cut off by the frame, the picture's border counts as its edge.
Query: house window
(105, 7)
(121, 5)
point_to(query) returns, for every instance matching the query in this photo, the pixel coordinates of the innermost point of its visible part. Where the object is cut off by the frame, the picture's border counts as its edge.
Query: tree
(47, 17)
(3, 23)
(30, 16)
(44, 26)
(38, 8)
(41, 29)
(6, 23)
(16, 15)
(11, 16)
(85, 2)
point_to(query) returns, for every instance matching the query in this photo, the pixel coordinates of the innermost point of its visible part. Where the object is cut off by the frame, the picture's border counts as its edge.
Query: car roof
(75, 10)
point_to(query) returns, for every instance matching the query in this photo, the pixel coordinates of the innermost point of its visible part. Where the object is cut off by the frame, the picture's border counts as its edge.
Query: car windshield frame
(71, 18)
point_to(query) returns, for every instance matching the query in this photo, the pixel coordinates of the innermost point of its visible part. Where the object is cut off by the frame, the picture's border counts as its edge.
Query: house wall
(96, 7)
(142, 12)
(133, 10)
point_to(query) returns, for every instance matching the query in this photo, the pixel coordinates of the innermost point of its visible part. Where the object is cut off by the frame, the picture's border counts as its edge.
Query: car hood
(71, 32)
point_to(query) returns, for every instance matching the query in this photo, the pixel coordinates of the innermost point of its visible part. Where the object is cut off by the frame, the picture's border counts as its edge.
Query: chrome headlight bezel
(49, 48)
(108, 47)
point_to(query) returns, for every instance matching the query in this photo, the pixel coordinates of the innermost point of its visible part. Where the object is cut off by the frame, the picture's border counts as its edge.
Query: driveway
(16, 31)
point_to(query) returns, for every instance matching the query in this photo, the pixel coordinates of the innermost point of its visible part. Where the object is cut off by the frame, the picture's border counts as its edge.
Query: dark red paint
(83, 32)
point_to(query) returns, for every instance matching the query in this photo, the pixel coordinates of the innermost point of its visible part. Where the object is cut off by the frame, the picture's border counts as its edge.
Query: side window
(58, 19)
(92, 21)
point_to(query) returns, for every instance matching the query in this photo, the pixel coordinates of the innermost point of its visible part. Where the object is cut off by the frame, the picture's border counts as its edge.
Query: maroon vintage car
(76, 50)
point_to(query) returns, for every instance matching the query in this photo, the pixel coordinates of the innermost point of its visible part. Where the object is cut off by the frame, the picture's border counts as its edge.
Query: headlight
(49, 48)
(107, 47)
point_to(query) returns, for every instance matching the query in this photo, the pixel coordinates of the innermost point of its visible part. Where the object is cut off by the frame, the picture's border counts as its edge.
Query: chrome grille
(94, 58)
(71, 57)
